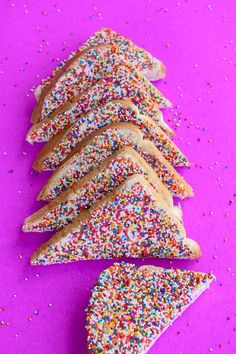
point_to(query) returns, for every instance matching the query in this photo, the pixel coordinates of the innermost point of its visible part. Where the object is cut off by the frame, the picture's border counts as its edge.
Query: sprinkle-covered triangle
(131, 307)
(131, 221)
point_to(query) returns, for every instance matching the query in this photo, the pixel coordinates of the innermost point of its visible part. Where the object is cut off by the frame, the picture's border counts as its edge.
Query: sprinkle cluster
(55, 216)
(131, 224)
(131, 307)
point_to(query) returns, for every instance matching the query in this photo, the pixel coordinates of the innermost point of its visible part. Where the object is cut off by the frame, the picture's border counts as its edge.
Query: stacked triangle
(111, 191)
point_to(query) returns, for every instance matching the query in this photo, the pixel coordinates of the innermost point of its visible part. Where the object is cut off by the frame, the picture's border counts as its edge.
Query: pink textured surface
(42, 309)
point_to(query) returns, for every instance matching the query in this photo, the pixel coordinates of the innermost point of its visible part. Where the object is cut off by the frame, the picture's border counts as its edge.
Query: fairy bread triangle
(131, 307)
(144, 62)
(131, 221)
(90, 66)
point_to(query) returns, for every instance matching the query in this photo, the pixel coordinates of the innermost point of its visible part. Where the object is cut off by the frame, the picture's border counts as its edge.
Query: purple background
(42, 309)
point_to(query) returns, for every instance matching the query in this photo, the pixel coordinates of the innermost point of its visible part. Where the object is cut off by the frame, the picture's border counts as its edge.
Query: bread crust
(151, 268)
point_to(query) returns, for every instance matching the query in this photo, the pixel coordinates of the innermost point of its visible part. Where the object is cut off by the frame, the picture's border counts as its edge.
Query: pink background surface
(42, 309)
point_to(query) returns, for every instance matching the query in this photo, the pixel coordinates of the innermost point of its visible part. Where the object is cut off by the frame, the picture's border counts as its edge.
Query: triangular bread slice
(152, 68)
(131, 307)
(132, 221)
(103, 91)
(61, 145)
(93, 187)
(100, 146)
(91, 65)
(144, 62)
